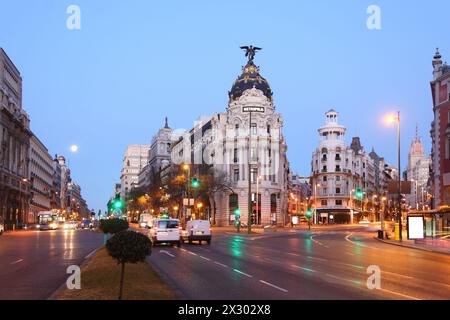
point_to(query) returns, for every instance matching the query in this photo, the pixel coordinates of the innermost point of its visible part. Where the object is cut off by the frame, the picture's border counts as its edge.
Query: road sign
(253, 109)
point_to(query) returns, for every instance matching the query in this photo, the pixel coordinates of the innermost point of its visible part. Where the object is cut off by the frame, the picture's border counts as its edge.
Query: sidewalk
(430, 245)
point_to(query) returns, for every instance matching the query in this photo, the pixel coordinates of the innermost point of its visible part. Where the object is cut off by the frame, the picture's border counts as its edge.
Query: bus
(47, 220)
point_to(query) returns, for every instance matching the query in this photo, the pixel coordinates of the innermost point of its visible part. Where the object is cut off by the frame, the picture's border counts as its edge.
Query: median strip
(100, 278)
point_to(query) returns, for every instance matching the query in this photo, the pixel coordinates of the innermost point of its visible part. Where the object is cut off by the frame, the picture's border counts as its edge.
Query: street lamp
(257, 195)
(391, 119)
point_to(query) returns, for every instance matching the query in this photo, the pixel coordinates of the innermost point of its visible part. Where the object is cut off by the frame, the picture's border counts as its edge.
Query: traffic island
(100, 280)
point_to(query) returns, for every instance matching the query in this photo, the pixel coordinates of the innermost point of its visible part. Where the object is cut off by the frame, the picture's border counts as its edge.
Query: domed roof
(250, 78)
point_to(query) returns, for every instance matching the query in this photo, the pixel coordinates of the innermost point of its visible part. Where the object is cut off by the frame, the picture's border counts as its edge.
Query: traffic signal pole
(249, 221)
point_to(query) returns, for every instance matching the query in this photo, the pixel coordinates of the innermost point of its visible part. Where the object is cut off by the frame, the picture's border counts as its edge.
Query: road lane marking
(314, 258)
(397, 274)
(353, 265)
(205, 258)
(182, 249)
(399, 294)
(303, 268)
(167, 253)
(318, 242)
(17, 261)
(192, 253)
(343, 279)
(273, 286)
(243, 273)
(221, 264)
(293, 254)
(350, 254)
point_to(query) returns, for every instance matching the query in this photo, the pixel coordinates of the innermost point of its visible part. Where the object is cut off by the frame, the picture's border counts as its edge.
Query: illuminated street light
(396, 119)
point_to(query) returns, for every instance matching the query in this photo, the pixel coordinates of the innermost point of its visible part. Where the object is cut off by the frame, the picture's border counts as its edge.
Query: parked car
(165, 231)
(2, 226)
(197, 230)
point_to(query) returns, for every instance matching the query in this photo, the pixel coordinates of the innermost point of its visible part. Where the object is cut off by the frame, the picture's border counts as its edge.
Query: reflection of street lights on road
(391, 119)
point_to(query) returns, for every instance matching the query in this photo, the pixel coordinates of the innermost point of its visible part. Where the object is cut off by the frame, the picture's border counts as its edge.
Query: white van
(197, 230)
(165, 231)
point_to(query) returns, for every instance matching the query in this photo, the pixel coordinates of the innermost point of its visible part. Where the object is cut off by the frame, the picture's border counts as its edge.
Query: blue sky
(111, 83)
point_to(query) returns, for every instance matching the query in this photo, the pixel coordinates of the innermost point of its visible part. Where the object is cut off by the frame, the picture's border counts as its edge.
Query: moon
(74, 148)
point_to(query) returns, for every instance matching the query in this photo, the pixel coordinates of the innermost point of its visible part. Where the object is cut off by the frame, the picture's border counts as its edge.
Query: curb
(411, 247)
(86, 259)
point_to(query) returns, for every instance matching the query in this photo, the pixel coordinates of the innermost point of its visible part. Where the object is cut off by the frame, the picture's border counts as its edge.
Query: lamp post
(257, 195)
(391, 119)
(187, 169)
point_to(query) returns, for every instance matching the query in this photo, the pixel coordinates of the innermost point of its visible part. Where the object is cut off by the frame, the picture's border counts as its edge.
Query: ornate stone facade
(15, 137)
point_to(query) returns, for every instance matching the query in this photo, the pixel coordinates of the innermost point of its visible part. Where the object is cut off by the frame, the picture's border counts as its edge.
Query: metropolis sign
(253, 109)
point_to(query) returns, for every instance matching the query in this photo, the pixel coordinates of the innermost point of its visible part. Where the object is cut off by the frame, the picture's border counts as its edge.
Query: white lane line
(192, 253)
(352, 265)
(167, 253)
(17, 261)
(318, 242)
(343, 279)
(293, 254)
(400, 294)
(350, 254)
(397, 274)
(273, 286)
(243, 273)
(182, 249)
(314, 258)
(303, 268)
(221, 264)
(205, 258)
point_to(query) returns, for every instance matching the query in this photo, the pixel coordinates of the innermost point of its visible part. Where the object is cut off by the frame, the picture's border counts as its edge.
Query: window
(338, 178)
(324, 191)
(338, 190)
(254, 128)
(324, 202)
(236, 174)
(236, 129)
(324, 157)
(324, 169)
(339, 202)
(268, 129)
(235, 156)
(253, 154)
(338, 157)
(338, 168)
(325, 178)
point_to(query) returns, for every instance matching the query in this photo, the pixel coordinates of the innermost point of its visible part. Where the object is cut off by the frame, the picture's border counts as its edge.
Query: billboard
(415, 227)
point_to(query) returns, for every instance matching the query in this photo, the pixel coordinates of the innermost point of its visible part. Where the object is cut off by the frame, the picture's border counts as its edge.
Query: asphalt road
(33, 263)
(327, 264)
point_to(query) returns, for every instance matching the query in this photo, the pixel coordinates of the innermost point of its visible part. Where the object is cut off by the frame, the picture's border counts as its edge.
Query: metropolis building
(229, 141)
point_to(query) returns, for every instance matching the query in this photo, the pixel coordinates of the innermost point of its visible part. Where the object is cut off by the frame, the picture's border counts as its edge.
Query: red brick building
(440, 132)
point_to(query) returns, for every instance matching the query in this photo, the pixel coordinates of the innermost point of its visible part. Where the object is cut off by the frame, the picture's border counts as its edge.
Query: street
(327, 264)
(33, 263)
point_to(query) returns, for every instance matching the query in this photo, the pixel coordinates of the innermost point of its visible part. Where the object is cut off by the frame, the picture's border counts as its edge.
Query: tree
(128, 247)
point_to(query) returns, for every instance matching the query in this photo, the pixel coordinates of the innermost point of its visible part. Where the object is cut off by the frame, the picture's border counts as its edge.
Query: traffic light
(359, 193)
(237, 212)
(165, 215)
(195, 183)
(118, 204)
(309, 214)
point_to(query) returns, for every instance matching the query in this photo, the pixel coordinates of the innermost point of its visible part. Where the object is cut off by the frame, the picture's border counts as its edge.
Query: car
(197, 230)
(70, 225)
(364, 221)
(2, 226)
(165, 231)
(86, 224)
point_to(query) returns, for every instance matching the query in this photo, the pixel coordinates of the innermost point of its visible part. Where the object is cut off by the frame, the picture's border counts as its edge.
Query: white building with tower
(343, 177)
